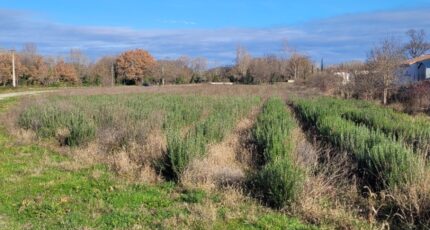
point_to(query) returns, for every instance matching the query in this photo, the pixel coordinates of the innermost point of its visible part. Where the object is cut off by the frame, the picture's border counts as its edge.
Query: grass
(385, 147)
(413, 131)
(209, 130)
(38, 192)
(383, 161)
(41, 189)
(280, 180)
(119, 123)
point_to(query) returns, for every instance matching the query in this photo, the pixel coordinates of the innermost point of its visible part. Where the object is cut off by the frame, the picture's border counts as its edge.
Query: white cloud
(182, 22)
(336, 39)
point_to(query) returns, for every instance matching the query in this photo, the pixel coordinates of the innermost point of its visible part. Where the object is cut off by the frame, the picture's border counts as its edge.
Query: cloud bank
(336, 39)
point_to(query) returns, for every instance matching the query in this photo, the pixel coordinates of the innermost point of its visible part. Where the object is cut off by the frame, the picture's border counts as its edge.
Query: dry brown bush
(415, 97)
(326, 82)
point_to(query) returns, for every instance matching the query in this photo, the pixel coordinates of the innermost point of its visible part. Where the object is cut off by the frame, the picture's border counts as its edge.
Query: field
(210, 157)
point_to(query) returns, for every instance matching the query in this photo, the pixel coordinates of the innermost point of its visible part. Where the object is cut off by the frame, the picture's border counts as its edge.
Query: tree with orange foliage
(66, 72)
(35, 70)
(133, 66)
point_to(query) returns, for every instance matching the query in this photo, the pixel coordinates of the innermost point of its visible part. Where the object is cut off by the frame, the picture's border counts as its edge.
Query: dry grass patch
(226, 163)
(330, 193)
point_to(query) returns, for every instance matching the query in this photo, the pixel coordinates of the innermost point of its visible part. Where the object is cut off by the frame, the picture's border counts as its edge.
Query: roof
(418, 59)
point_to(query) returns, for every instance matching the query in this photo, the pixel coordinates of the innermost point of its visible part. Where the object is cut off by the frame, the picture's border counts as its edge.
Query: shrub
(326, 82)
(416, 97)
(81, 130)
(47, 121)
(279, 181)
(180, 151)
(383, 161)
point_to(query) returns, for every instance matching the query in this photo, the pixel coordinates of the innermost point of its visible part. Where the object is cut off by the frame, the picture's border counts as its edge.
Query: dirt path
(226, 163)
(17, 94)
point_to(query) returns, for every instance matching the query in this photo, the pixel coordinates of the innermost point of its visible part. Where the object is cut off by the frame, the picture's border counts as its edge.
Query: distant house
(345, 76)
(417, 69)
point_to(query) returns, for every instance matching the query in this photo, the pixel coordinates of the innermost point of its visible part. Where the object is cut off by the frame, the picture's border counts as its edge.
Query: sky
(335, 30)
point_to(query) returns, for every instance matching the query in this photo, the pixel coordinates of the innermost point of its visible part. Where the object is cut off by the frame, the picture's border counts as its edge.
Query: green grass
(280, 180)
(190, 123)
(413, 131)
(210, 129)
(383, 161)
(37, 191)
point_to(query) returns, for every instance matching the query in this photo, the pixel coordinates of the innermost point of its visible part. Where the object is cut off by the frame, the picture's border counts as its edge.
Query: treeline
(381, 76)
(34, 69)
(139, 67)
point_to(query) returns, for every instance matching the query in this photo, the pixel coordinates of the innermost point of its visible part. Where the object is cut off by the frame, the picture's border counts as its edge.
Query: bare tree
(102, 72)
(173, 71)
(78, 57)
(417, 44)
(199, 64)
(30, 48)
(259, 71)
(80, 61)
(384, 61)
(243, 60)
(298, 66)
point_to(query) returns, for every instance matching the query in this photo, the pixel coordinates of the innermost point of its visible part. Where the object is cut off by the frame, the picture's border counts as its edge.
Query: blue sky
(334, 30)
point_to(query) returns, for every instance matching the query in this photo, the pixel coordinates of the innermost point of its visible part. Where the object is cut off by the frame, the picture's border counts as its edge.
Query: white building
(417, 69)
(345, 76)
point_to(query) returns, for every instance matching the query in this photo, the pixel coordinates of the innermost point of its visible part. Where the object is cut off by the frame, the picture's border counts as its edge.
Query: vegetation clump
(383, 161)
(280, 179)
(182, 148)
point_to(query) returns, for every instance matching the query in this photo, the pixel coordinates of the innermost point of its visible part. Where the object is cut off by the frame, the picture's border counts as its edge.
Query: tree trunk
(385, 95)
(295, 73)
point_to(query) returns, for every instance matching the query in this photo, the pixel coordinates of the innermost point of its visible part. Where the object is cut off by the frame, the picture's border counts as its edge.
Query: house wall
(415, 72)
(346, 77)
(427, 70)
(422, 69)
(409, 74)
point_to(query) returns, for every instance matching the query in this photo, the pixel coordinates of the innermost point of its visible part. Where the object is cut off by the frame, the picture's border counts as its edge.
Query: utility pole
(162, 75)
(13, 69)
(113, 75)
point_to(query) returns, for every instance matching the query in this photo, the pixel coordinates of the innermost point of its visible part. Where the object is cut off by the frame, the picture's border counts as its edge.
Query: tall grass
(182, 148)
(49, 120)
(118, 122)
(127, 118)
(412, 131)
(383, 161)
(280, 179)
